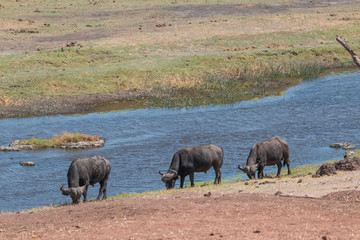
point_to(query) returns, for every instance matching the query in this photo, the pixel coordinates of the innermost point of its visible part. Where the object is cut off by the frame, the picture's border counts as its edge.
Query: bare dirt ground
(295, 208)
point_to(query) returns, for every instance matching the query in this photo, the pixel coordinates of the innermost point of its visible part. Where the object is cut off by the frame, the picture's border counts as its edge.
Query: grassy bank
(225, 186)
(296, 172)
(179, 82)
(164, 56)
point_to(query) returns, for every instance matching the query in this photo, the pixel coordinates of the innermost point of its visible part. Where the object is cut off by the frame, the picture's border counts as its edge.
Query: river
(139, 143)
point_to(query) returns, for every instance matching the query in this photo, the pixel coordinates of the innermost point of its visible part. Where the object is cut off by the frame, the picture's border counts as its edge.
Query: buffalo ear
(254, 167)
(82, 189)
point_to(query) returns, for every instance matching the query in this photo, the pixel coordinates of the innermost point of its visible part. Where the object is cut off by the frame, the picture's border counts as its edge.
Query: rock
(27, 164)
(15, 146)
(84, 145)
(266, 182)
(7, 149)
(345, 145)
(278, 193)
(348, 164)
(349, 154)
(207, 194)
(326, 169)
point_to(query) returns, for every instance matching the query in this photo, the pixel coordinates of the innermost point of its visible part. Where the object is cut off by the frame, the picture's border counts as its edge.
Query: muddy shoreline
(72, 105)
(83, 104)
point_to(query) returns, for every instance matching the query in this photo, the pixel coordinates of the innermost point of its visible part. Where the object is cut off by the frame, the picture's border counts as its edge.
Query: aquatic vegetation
(59, 140)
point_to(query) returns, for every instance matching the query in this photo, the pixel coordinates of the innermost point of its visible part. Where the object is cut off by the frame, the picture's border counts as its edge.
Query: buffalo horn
(241, 168)
(174, 171)
(65, 191)
(161, 173)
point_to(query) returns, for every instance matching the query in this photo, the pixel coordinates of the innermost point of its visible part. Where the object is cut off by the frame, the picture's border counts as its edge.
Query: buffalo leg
(182, 179)
(85, 193)
(217, 176)
(287, 161)
(279, 169)
(102, 189)
(260, 172)
(191, 175)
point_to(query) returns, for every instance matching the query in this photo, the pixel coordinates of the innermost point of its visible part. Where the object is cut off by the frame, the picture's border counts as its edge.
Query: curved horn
(65, 191)
(174, 171)
(241, 168)
(161, 173)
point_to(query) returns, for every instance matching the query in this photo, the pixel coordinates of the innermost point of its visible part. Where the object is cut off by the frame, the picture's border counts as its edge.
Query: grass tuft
(59, 140)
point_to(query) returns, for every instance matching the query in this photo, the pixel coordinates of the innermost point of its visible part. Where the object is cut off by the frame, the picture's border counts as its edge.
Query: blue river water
(139, 143)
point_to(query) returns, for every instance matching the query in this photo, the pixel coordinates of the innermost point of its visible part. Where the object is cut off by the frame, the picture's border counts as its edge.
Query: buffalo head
(169, 178)
(250, 170)
(75, 192)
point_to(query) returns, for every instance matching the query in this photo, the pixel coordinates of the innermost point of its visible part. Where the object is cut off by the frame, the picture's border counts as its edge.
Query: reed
(241, 80)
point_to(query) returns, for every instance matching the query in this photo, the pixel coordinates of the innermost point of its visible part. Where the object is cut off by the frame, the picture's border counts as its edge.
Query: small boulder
(349, 154)
(348, 164)
(278, 193)
(84, 145)
(326, 169)
(345, 145)
(27, 164)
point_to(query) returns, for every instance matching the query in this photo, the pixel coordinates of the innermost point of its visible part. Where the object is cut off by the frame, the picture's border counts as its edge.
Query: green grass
(357, 153)
(165, 66)
(59, 140)
(169, 82)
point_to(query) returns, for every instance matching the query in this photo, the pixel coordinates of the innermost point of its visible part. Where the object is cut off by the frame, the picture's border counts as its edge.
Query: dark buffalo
(193, 159)
(267, 153)
(84, 172)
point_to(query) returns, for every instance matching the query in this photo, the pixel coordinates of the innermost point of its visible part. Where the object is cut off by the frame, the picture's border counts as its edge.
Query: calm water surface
(140, 143)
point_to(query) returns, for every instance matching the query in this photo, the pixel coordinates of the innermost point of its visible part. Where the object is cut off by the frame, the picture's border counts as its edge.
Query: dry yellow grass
(59, 140)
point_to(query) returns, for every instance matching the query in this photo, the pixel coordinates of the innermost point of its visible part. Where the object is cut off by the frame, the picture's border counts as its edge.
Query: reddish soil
(193, 215)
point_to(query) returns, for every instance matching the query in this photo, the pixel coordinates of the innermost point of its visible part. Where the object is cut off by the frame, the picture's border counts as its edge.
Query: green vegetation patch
(357, 153)
(59, 140)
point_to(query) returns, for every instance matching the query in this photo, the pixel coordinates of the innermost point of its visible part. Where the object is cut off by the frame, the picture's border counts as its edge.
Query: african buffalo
(267, 153)
(84, 172)
(193, 159)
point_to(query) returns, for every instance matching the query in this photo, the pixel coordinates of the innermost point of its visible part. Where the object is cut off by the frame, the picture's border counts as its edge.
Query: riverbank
(163, 54)
(304, 207)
